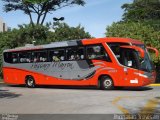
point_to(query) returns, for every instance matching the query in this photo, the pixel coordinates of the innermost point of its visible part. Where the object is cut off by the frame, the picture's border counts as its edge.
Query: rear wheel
(106, 83)
(30, 82)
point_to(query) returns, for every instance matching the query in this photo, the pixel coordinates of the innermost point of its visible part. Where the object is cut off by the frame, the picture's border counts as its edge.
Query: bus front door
(129, 58)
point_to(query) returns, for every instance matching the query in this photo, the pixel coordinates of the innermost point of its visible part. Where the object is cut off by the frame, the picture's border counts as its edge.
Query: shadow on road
(135, 88)
(147, 88)
(7, 94)
(58, 87)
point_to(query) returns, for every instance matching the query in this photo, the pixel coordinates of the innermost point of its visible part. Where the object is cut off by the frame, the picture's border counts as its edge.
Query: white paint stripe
(142, 75)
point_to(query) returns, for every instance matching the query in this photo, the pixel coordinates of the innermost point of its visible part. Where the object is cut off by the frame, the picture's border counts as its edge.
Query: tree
(142, 10)
(35, 1)
(136, 30)
(26, 34)
(141, 20)
(39, 7)
(63, 31)
(29, 34)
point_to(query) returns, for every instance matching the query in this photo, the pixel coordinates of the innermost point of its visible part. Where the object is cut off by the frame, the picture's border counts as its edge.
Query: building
(3, 26)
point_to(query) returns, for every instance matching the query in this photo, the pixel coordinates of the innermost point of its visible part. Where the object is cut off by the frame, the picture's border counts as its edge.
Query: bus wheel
(106, 83)
(30, 82)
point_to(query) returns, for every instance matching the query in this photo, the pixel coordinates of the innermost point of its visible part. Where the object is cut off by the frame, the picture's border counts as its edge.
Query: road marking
(149, 107)
(121, 108)
(154, 85)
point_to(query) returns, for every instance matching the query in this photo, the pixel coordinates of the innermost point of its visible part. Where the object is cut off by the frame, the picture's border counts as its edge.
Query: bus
(103, 62)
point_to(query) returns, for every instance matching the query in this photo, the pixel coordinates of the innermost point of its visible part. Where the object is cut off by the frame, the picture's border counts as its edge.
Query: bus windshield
(131, 58)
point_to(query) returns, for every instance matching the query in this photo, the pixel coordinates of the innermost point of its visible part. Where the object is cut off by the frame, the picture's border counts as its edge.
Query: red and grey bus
(102, 62)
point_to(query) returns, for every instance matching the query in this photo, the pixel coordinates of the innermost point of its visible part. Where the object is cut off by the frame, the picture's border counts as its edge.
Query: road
(78, 100)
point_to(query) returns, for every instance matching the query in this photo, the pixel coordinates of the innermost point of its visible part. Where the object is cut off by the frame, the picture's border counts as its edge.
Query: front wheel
(106, 83)
(30, 82)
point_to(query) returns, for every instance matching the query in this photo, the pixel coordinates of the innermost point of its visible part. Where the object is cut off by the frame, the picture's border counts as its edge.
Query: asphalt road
(78, 100)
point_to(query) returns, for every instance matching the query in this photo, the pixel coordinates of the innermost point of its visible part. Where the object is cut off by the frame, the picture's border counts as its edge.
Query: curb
(154, 85)
(1, 82)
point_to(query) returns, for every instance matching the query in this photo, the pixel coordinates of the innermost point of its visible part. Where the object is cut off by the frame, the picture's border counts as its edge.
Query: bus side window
(10, 57)
(129, 59)
(40, 56)
(57, 55)
(75, 53)
(97, 52)
(14, 58)
(25, 57)
(115, 47)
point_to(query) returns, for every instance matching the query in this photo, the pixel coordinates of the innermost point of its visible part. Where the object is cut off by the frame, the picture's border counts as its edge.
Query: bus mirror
(140, 50)
(153, 49)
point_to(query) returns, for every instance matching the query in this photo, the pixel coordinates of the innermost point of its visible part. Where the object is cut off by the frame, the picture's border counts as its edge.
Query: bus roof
(76, 43)
(112, 39)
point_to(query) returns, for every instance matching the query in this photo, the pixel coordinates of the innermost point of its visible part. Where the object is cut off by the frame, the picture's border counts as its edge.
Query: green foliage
(142, 10)
(29, 34)
(35, 1)
(25, 34)
(41, 34)
(62, 31)
(135, 30)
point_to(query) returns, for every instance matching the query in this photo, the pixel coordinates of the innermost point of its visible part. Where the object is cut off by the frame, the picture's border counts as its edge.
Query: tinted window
(97, 52)
(57, 55)
(115, 47)
(25, 57)
(129, 58)
(40, 56)
(75, 53)
(11, 57)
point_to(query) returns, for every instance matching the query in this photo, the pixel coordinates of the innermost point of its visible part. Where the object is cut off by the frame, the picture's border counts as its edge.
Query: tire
(30, 82)
(106, 83)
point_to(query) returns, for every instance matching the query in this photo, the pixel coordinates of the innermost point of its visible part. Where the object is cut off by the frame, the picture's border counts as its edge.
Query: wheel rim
(107, 83)
(30, 82)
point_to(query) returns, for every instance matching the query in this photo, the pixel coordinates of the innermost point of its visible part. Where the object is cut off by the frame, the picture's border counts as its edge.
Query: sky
(95, 16)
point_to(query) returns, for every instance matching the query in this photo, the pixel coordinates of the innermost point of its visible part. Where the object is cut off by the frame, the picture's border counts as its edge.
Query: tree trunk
(31, 20)
(30, 16)
(43, 18)
(38, 19)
